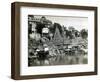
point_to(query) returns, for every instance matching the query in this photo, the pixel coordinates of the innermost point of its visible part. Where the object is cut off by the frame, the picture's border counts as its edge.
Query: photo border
(15, 39)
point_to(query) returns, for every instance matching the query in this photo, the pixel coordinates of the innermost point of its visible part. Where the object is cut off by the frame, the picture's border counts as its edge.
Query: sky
(77, 22)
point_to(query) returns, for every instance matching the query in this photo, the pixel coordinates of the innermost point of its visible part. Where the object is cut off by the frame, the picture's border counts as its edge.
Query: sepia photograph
(57, 40)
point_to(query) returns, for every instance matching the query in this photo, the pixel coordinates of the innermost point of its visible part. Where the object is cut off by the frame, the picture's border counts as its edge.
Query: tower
(58, 39)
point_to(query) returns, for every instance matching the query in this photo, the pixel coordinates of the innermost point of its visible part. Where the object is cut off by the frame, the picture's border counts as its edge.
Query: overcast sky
(78, 22)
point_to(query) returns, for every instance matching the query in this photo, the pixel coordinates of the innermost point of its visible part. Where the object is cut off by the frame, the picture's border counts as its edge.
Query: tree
(84, 33)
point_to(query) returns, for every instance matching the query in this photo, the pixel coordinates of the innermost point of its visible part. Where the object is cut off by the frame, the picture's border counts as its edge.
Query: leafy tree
(84, 33)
